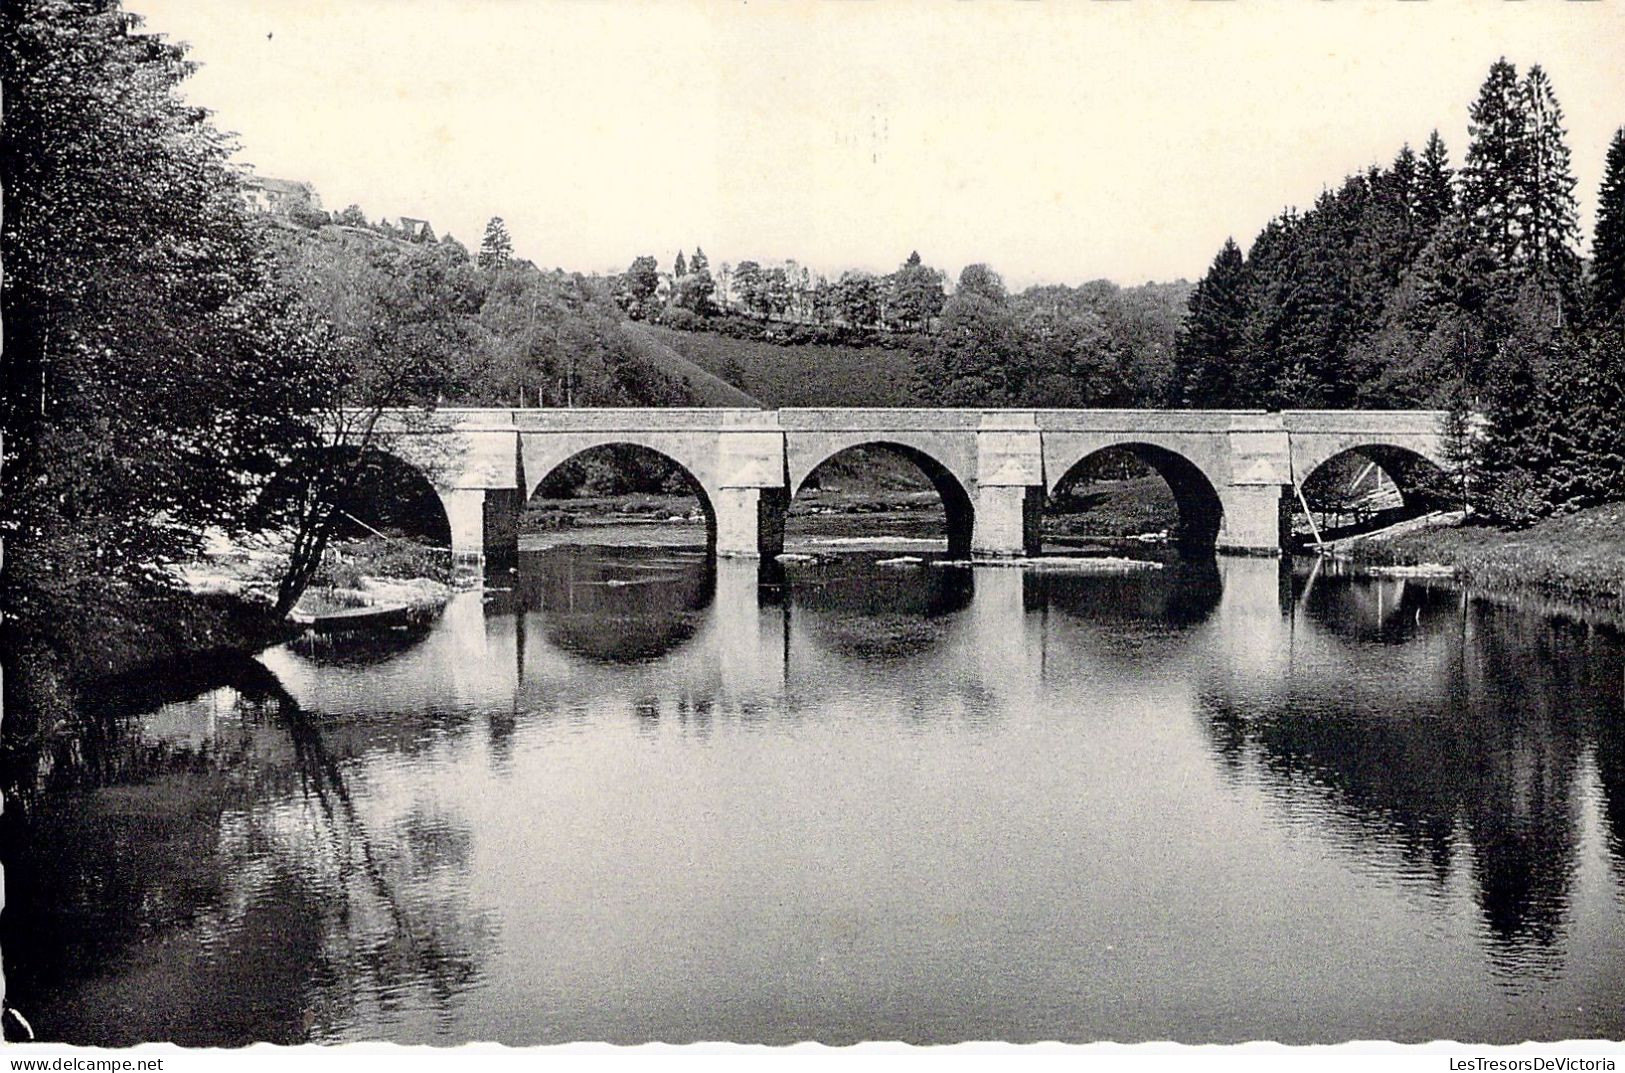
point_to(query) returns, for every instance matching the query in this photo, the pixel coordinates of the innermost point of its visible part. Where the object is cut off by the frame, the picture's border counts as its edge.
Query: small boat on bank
(371, 617)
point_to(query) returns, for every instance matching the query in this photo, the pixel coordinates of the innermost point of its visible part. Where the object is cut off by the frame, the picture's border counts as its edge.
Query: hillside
(807, 375)
(707, 388)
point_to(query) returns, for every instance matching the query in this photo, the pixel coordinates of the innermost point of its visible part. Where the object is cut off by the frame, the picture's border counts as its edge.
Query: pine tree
(1492, 178)
(1547, 211)
(1509, 457)
(1588, 443)
(699, 262)
(1608, 244)
(1268, 368)
(496, 248)
(1459, 449)
(1435, 195)
(1208, 343)
(679, 267)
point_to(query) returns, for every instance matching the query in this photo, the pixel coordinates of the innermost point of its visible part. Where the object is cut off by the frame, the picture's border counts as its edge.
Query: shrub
(346, 564)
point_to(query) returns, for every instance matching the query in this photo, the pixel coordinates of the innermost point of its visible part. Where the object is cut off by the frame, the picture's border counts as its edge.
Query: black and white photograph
(750, 525)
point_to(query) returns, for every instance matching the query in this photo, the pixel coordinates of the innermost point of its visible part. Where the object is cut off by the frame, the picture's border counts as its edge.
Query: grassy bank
(1578, 558)
(799, 375)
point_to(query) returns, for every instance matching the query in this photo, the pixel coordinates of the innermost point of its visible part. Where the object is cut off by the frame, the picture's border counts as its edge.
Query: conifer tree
(1547, 211)
(1209, 342)
(679, 267)
(1493, 176)
(1268, 369)
(1588, 443)
(1608, 244)
(496, 248)
(1435, 193)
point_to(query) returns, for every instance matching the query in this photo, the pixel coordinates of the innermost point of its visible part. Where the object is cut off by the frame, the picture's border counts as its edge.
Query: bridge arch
(389, 491)
(957, 503)
(539, 464)
(1420, 472)
(1195, 493)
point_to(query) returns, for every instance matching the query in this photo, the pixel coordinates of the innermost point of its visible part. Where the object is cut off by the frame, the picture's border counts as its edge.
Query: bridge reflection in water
(646, 794)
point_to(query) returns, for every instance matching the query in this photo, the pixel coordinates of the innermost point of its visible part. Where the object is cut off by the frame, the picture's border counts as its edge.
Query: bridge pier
(1009, 521)
(503, 507)
(465, 510)
(750, 521)
(1009, 485)
(1257, 519)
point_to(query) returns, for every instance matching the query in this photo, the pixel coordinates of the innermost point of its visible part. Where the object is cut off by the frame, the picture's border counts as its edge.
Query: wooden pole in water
(1320, 545)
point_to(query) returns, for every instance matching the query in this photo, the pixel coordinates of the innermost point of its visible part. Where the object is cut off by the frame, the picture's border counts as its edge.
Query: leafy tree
(750, 287)
(1061, 343)
(352, 216)
(1608, 243)
(857, 297)
(454, 249)
(797, 291)
(725, 286)
(914, 295)
(775, 292)
(974, 353)
(638, 286)
(496, 248)
(398, 332)
(152, 371)
(693, 292)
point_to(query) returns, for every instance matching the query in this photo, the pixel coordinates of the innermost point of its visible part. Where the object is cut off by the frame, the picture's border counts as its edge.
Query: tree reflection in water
(1182, 594)
(209, 880)
(1473, 757)
(1266, 786)
(885, 615)
(614, 605)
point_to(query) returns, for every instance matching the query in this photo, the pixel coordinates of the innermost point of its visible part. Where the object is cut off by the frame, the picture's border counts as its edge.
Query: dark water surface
(640, 797)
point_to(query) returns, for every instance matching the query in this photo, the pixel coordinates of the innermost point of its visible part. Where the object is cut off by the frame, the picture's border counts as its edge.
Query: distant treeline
(1097, 344)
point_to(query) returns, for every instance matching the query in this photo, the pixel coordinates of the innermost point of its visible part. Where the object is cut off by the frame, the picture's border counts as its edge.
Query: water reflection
(228, 882)
(613, 605)
(1179, 595)
(1436, 734)
(647, 795)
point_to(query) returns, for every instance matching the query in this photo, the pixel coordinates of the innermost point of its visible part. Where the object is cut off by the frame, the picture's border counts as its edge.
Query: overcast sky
(1058, 142)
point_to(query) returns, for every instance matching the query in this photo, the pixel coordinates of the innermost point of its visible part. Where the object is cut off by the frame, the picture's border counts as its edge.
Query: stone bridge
(1231, 471)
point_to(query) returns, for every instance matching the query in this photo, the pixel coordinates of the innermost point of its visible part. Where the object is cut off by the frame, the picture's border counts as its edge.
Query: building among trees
(280, 197)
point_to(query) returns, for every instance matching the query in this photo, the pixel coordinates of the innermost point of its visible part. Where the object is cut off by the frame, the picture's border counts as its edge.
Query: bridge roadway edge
(748, 463)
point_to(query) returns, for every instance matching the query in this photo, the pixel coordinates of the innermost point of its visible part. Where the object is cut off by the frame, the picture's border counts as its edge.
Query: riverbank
(109, 633)
(103, 637)
(1576, 558)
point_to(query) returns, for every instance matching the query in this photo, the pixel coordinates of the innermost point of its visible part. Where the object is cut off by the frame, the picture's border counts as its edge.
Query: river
(631, 794)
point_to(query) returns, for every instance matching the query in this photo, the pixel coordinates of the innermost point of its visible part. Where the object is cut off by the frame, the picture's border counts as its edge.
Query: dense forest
(1421, 284)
